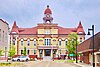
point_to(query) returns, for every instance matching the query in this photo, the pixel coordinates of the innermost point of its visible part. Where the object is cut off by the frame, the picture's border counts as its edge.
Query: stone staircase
(47, 58)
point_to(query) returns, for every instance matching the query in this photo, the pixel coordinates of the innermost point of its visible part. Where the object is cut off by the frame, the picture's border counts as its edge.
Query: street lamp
(92, 29)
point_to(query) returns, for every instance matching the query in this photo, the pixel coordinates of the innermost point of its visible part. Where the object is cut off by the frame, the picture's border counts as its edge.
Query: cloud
(66, 13)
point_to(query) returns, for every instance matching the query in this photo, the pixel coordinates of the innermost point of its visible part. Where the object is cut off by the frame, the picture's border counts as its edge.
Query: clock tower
(47, 15)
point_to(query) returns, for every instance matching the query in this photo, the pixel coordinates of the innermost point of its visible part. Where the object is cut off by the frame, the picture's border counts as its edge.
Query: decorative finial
(47, 6)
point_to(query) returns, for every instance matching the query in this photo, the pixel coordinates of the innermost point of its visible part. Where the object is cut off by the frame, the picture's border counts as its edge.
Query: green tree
(12, 51)
(24, 51)
(1, 52)
(72, 42)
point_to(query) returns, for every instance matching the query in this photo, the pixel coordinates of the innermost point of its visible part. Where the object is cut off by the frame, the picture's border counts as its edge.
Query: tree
(12, 51)
(1, 52)
(24, 51)
(72, 43)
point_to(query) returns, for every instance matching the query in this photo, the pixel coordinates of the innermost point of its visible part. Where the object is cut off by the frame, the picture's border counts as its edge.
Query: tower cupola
(47, 15)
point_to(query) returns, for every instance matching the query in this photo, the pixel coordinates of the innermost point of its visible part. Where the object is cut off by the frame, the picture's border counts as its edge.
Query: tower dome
(47, 15)
(48, 10)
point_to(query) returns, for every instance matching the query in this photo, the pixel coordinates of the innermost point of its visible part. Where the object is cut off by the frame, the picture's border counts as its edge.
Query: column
(16, 41)
(51, 52)
(16, 45)
(43, 52)
(38, 53)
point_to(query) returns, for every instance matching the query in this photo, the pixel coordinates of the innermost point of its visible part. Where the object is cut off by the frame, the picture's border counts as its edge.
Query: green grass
(66, 61)
(10, 64)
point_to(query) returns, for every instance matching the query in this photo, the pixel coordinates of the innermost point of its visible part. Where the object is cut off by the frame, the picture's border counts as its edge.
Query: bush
(5, 64)
(10, 64)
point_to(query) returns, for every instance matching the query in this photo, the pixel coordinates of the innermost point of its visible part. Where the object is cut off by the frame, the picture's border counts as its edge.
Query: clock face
(47, 15)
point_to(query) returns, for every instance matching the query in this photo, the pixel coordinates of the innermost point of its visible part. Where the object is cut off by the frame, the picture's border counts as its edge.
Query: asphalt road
(48, 64)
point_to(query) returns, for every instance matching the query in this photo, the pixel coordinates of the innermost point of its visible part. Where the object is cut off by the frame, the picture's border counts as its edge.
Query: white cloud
(66, 12)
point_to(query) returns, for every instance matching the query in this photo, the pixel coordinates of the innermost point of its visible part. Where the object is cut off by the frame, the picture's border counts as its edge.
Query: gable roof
(80, 29)
(4, 21)
(33, 30)
(28, 30)
(62, 30)
(14, 29)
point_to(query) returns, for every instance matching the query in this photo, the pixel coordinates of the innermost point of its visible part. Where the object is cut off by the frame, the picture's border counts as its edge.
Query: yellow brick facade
(54, 37)
(45, 39)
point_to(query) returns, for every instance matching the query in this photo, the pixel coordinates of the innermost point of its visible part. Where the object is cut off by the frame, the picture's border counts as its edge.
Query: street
(48, 64)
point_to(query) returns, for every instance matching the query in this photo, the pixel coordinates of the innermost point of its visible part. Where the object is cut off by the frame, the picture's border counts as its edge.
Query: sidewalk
(3, 61)
(83, 64)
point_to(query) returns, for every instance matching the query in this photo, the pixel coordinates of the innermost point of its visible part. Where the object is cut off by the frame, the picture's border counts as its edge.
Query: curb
(82, 65)
(79, 64)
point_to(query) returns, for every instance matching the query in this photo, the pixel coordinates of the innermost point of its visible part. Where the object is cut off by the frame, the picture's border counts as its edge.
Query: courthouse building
(45, 39)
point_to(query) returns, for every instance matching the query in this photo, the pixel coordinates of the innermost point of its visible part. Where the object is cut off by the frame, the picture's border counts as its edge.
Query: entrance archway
(47, 52)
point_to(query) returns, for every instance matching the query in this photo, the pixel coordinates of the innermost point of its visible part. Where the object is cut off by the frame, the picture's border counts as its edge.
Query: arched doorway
(47, 52)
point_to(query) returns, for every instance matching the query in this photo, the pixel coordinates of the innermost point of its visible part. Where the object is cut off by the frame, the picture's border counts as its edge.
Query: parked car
(21, 58)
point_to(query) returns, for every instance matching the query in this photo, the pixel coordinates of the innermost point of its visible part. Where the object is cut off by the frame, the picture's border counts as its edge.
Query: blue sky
(67, 13)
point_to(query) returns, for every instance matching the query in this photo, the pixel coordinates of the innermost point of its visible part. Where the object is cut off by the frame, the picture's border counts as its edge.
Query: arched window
(47, 41)
(80, 40)
(28, 42)
(21, 42)
(59, 42)
(80, 32)
(34, 42)
(66, 42)
(34, 51)
(60, 51)
(28, 51)
(13, 41)
(21, 51)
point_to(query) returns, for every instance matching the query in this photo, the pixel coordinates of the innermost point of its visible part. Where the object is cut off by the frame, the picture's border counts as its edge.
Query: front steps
(47, 58)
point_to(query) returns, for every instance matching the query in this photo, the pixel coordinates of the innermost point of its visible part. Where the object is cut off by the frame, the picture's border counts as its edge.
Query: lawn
(68, 61)
(8, 64)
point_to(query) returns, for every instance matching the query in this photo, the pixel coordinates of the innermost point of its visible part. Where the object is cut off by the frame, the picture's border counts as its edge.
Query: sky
(67, 13)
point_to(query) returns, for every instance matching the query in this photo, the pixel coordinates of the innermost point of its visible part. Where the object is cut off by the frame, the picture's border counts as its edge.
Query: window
(28, 42)
(3, 36)
(21, 42)
(47, 31)
(34, 51)
(60, 51)
(21, 51)
(6, 35)
(59, 42)
(66, 42)
(0, 34)
(99, 49)
(13, 32)
(98, 58)
(80, 40)
(47, 41)
(80, 32)
(54, 51)
(28, 51)
(34, 42)
(13, 41)
(40, 51)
